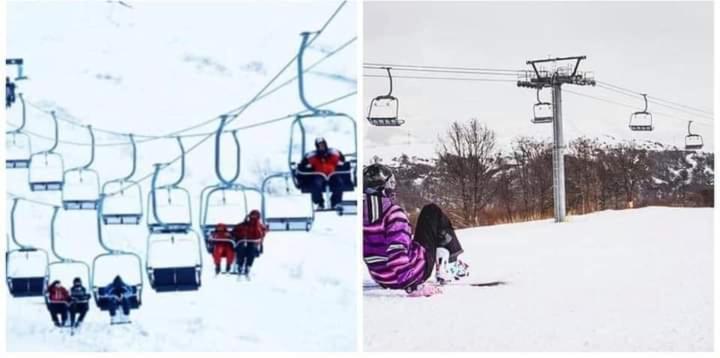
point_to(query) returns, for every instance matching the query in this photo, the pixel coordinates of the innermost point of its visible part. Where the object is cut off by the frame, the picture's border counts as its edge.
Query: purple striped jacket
(392, 257)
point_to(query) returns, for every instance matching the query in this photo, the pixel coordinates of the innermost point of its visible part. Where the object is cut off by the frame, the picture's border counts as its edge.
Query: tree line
(478, 184)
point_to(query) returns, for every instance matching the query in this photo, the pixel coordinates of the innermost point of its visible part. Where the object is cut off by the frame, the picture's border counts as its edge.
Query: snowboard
(374, 286)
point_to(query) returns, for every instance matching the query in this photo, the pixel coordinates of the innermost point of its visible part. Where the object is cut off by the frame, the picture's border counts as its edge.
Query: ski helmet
(378, 178)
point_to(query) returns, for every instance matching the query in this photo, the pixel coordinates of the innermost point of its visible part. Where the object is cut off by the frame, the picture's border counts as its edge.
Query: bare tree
(467, 161)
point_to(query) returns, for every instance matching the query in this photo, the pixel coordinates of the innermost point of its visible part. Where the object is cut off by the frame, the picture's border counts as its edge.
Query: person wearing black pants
(434, 230)
(78, 302)
(246, 253)
(318, 184)
(59, 313)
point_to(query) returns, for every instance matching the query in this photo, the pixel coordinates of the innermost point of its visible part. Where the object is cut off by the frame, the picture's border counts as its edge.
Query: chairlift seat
(122, 219)
(386, 121)
(103, 298)
(289, 224)
(80, 204)
(168, 279)
(27, 286)
(170, 228)
(641, 128)
(17, 163)
(46, 186)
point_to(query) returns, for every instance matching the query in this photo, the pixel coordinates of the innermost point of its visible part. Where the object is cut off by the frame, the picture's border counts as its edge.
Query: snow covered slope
(293, 302)
(631, 280)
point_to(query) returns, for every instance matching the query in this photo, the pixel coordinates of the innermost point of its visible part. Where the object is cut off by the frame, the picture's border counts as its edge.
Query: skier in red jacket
(249, 235)
(222, 248)
(58, 301)
(326, 161)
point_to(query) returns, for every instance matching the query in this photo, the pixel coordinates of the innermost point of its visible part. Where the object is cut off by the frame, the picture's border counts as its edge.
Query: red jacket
(221, 232)
(327, 163)
(58, 293)
(252, 230)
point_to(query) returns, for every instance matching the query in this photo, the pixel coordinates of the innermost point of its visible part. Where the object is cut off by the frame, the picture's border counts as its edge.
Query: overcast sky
(663, 49)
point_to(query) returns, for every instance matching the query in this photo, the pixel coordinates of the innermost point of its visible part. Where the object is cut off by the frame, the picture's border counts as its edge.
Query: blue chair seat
(46, 186)
(289, 224)
(170, 228)
(17, 163)
(169, 279)
(103, 299)
(122, 219)
(80, 204)
(27, 286)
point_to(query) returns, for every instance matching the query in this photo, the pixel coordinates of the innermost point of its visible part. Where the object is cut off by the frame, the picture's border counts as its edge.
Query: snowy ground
(293, 303)
(631, 280)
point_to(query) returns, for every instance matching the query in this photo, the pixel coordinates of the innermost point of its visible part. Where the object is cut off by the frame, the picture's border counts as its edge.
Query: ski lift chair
(123, 197)
(301, 222)
(184, 269)
(227, 201)
(347, 170)
(82, 184)
(17, 144)
(641, 120)
(693, 141)
(111, 259)
(542, 111)
(65, 269)
(30, 284)
(176, 237)
(46, 170)
(386, 108)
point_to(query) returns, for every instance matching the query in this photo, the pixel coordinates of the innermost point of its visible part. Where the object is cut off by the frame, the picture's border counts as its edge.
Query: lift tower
(556, 76)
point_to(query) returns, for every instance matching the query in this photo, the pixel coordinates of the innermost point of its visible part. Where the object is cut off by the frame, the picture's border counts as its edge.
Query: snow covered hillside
(292, 293)
(630, 280)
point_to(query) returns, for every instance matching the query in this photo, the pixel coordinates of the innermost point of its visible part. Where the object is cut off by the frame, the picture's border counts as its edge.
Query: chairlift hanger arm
(182, 163)
(12, 224)
(218, 171)
(301, 80)
(92, 148)
(53, 249)
(389, 94)
(153, 189)
(131, 137)
(57, 133)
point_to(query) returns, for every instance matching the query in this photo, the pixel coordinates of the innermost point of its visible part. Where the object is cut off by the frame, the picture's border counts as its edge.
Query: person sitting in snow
(78, 302)
(249, 236)
(222, 248)
(58, 301)
(395, 258)
(119, 291)
(323, 160)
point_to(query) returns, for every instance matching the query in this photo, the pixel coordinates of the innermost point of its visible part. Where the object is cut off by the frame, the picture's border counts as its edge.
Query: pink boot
(425, 290)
